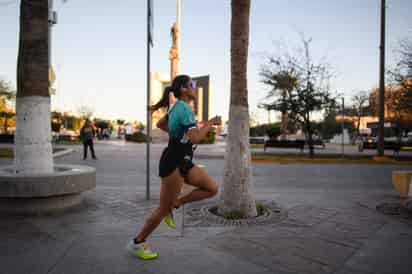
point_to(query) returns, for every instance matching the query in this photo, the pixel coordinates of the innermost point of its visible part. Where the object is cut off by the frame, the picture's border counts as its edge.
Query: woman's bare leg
(206, 186)
(170, 188)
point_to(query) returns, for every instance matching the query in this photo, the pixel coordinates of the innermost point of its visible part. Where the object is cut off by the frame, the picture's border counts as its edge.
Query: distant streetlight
(341, 96)
(343, 127)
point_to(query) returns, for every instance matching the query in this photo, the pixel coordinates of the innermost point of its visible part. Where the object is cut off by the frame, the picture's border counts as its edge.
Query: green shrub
(234, 215)
(56, 126)
(272, 130)
(260, 209)
(237, 214)
(137, 137)
(258, 130)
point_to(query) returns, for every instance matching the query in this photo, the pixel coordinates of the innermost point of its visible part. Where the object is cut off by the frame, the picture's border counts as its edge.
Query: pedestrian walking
(87, 133)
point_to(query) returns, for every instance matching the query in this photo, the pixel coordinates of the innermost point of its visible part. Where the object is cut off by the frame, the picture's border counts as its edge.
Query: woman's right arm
(196, 134)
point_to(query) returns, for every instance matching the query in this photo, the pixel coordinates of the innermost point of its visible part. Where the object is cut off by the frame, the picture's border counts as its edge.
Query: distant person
(106, 134)
(128, 131)
(120, 132)
(87, 133)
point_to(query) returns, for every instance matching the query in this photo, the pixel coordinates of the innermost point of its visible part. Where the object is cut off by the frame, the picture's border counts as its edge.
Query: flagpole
(148, 121)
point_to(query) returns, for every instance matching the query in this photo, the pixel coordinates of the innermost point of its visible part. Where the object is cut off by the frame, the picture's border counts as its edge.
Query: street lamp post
(343, 127)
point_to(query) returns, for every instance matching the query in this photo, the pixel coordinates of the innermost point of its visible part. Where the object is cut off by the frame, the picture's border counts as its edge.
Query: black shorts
(172, 159)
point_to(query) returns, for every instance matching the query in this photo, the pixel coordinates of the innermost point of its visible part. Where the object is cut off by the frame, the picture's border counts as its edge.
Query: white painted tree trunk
(33, 149)
(238, 192)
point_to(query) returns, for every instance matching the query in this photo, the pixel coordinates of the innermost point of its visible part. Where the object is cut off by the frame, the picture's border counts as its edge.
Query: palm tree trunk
(310, 139)
(310, 144)
(33, 150)
(238, 190)
(359, 121)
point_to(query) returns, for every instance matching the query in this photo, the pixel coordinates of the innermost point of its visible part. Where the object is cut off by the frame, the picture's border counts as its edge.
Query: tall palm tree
(238, 191)
(33, 150)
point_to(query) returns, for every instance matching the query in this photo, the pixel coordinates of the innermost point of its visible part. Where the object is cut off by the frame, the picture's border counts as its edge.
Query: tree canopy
(299, 87)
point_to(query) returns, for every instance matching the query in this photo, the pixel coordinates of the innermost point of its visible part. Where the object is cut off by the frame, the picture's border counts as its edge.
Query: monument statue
(174, 50)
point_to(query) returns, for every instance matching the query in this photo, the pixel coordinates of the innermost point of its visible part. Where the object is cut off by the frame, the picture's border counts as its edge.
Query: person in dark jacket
(87, 133)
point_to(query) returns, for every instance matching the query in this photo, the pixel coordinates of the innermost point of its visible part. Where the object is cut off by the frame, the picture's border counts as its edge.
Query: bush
(261, 209)
(7, 138)
(272, 130)
(258, 131)
(137, 137)
(285, 143)
(56, 126)
(210, 137)
(236, 214)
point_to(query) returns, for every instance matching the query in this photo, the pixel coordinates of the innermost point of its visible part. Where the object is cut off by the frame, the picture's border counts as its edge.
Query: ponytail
(163, 102)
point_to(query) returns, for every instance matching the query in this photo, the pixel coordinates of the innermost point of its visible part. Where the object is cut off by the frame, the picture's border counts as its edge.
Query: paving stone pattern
(332, 225)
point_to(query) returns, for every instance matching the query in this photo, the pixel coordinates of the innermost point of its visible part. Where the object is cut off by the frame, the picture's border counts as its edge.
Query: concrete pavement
(331, 224)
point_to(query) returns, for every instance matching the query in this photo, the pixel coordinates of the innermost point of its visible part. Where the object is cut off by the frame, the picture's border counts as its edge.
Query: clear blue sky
(99, 46)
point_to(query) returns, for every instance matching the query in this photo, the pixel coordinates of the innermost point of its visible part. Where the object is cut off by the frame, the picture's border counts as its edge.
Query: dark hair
(163, 102)
(179, 82)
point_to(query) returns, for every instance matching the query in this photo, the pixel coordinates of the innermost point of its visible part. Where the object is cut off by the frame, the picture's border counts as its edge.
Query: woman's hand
(216, 121)
(196, 135)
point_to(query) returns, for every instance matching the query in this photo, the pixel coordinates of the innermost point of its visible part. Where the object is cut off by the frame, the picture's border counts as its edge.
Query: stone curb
(343, 161)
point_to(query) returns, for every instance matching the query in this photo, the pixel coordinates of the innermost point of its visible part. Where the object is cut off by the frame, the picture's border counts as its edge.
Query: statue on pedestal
(174, 51)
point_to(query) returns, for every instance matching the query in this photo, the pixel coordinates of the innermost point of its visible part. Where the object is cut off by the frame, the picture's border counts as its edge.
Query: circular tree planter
(41, 193)
(206, 215)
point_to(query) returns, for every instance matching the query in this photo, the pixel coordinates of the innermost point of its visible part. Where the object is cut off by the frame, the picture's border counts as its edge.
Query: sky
(99, 47)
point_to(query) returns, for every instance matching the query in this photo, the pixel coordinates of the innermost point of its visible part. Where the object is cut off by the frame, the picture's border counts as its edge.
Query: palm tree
(238, 191)
(283, 83)
(33, 150)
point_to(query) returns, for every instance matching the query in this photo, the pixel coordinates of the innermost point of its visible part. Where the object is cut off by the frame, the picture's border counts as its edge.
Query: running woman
(176, 166)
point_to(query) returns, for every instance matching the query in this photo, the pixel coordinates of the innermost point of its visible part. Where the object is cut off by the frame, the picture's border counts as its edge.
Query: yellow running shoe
(170, 221)
(141, 250)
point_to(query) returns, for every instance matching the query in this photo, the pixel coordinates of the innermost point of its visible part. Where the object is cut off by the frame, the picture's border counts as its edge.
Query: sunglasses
(192, 84)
